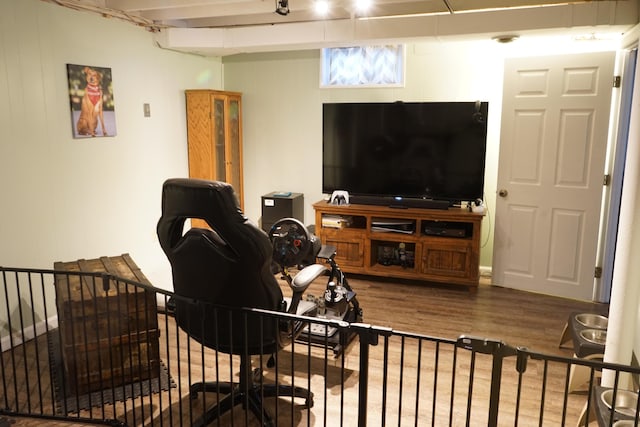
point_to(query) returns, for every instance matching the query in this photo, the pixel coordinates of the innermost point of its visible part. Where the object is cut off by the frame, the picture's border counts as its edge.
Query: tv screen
(423, 150)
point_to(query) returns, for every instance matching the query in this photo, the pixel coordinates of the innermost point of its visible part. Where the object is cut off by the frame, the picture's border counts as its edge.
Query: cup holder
(626, 401)
(592, 320)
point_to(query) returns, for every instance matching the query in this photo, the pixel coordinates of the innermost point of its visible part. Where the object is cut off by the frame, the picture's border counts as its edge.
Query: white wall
(62, 198)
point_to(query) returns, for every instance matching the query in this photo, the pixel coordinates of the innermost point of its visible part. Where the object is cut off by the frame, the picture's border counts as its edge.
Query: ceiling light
(362, 6)
(321, 7)
(282, 7)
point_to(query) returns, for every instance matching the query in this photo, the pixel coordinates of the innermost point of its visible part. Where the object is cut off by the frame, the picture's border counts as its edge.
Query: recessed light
(362, 6)
(321, 7)
(506, 38)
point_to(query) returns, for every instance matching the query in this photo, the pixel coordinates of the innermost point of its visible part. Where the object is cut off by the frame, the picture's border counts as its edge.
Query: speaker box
(276, 206)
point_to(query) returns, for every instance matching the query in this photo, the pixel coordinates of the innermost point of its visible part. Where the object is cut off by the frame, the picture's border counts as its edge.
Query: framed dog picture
(91, 98)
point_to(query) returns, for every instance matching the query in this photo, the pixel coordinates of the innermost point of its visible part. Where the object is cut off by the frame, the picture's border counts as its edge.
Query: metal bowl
(592, 320)
(594, 336)
(624, 423)
(626, 401)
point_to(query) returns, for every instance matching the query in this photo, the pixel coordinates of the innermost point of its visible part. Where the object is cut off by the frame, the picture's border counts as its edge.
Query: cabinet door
(200, 135)
(219, 138)
(349, 251)
(233, 154)
(446, 258)
(214, 135)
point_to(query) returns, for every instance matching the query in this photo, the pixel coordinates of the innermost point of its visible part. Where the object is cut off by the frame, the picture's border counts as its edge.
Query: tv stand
(431, 245)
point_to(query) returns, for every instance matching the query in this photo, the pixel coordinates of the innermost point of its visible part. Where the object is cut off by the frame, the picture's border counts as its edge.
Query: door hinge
(598, 273)
(617, 81)
(607, 180)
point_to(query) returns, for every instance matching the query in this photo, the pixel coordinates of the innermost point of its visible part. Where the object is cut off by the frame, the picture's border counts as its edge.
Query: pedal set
(320, 330)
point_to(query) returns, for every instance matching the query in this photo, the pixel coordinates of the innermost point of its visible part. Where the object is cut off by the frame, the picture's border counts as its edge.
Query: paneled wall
(64, 198)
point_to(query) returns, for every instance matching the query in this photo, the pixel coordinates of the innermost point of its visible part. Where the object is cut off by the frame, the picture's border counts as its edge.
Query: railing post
(367, 337)
(499, 351)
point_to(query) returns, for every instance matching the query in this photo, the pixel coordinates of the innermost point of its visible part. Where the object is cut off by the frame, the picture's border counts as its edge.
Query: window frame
(325, 68)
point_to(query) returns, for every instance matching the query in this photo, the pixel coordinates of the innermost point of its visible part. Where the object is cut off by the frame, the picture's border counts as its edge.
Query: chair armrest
(303, 279)
(301, 282)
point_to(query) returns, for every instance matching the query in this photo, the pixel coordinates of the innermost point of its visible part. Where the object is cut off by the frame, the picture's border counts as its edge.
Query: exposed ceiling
(221, 27)
(232, 13)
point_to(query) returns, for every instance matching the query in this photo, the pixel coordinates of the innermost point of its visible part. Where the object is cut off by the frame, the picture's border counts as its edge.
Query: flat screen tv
(405, 152)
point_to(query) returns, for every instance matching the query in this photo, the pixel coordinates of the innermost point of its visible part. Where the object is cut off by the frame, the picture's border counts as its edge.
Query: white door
(555, 120)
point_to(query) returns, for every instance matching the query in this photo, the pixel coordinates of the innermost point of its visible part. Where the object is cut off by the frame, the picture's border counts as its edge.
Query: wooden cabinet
(421, 244)
(214, 137)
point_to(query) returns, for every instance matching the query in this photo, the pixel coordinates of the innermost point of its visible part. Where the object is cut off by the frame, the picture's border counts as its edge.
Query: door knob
(503, 193)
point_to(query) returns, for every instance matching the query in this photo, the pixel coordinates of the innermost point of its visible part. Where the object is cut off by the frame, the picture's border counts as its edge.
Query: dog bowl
(592, 320)
(594, 336)
(624, 423)
(626, 401)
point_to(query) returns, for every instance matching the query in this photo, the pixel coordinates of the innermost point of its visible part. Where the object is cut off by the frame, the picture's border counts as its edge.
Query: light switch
(147, 109)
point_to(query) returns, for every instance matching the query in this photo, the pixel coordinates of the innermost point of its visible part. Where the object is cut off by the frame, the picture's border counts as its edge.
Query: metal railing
(121, 360)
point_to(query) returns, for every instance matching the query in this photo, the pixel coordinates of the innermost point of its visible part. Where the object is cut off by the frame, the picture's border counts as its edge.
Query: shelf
(447, 229)
(342, 222)
(394, 269)
(401, 226)
(392, 253)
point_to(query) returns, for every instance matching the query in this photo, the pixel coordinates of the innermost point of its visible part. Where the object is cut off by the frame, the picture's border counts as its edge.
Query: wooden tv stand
(439, 245)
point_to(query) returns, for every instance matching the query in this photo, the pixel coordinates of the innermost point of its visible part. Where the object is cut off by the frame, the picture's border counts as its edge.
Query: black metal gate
(384, 378)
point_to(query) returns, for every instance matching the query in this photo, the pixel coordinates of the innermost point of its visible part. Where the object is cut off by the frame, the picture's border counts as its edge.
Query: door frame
(620, 123)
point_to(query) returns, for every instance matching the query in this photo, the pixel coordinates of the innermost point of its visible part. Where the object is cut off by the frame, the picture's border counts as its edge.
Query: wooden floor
(514, 317)
(518, 318)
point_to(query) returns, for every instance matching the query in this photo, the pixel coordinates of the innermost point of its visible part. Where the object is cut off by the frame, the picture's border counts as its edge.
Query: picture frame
(91, 101)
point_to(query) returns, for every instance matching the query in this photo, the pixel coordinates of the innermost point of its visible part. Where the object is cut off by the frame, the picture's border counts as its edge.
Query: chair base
(252, 396)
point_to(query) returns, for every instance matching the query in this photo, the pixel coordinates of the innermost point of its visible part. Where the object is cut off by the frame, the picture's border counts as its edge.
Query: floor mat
(73, 403)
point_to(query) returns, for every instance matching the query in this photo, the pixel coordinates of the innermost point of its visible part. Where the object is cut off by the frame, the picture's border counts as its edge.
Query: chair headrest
(212, 201)
(183, 198)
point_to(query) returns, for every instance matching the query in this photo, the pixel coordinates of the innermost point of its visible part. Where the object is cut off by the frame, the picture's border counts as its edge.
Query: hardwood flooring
(411, 381)
(518, 318)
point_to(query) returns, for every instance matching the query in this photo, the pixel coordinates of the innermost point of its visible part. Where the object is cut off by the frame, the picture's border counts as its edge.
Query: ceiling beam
(610, 15)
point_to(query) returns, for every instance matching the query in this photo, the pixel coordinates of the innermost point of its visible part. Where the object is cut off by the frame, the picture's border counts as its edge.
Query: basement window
(363, 66)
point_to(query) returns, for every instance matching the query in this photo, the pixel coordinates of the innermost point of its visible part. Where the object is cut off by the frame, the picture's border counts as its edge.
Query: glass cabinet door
(220, 160)
(214, 137)
(234, 146)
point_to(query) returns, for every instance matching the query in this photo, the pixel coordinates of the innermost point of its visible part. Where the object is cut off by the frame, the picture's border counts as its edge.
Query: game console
(446, 229)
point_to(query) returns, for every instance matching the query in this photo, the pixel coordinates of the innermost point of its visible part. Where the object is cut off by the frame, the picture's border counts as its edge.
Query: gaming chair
(216, 272)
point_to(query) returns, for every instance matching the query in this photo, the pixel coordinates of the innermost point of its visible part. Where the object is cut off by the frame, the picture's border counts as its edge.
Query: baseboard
(29, 333)
(485, 271)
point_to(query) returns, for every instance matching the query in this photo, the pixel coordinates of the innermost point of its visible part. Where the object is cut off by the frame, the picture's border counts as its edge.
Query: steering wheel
(291, 242)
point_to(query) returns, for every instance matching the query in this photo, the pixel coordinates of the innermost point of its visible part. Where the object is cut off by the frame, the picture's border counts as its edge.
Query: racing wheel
(291, 242)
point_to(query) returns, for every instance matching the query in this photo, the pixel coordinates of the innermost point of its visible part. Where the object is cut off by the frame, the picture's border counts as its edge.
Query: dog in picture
(91, 107)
